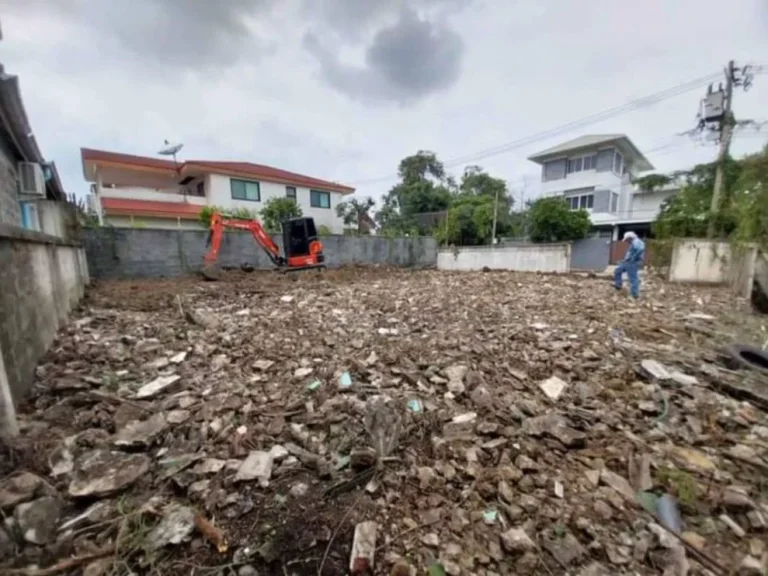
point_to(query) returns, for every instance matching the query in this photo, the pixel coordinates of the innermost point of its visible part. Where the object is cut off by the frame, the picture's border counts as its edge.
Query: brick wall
(9, 200)
(126, 253)
(42, 279)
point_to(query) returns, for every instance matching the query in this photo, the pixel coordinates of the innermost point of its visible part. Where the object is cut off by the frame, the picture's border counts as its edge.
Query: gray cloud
(406, 61)
(186, 34)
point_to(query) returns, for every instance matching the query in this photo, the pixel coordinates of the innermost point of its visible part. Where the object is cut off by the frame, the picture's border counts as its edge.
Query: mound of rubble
(384, 422)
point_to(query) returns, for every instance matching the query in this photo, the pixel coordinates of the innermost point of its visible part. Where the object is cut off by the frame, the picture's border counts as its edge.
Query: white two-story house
(596, 172)
(139, 191)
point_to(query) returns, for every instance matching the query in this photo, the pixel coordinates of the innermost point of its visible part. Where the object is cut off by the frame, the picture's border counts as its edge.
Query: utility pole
(734, 76)
(495, 215)
(726, 132)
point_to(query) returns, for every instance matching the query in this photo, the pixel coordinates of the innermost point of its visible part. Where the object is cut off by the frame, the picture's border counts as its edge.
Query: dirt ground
(489, 423)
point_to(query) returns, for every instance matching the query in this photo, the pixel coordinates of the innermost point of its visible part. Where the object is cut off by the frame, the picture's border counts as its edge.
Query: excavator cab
(302, 247)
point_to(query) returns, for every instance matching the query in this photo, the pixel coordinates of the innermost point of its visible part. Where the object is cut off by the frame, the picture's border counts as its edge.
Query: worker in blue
(631, 264)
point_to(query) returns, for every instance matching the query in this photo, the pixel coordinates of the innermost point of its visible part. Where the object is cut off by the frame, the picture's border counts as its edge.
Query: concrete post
(8, 425)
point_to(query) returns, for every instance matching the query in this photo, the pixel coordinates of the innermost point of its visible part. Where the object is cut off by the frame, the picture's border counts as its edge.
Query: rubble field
(447, 423)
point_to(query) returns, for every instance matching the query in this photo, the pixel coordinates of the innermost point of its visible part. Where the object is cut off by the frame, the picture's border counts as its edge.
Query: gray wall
(43, 278)
(9, 200)
(590, 254)
(126, 253)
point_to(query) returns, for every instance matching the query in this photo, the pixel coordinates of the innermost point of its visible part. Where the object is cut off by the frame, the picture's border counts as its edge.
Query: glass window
(590, 162)
(617, 160)
(582, 201)
(319, 199)
(574, 165)
(290, 192)
(614, 202)
(244, 190)
(590, 201)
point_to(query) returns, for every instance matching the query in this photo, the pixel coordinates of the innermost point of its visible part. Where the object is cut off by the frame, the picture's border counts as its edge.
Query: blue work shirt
(636, 252)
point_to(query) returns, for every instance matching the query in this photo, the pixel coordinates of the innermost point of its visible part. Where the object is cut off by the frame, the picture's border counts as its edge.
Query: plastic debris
(363, 549)
(345, 380)
(415, 405)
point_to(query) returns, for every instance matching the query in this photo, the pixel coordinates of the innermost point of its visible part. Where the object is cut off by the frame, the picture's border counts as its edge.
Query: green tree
(353, 211)
(239, 213)
(423, 188)
(278, 209)
(551, 220)
(750, 199)
(687, 214)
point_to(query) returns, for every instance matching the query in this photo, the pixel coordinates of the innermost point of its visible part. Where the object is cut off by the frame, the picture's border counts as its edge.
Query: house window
(574, 165)
(614, 202)
(319, 199)
(290, 192)
(582, 202)
(617, 160)
(199, 189)
(590, 162)
(245, 190)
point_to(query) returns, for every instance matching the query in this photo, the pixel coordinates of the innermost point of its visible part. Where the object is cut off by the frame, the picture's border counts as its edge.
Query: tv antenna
(170, 150)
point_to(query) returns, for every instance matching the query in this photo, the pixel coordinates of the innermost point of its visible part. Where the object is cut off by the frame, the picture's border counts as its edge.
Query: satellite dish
(170, 149)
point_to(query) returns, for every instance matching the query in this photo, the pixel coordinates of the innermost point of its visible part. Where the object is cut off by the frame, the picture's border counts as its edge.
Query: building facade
(137, 191)
(31, 193)
(596, 173)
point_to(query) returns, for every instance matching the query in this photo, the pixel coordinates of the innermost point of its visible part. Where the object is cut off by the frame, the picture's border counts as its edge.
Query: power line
(585, 121)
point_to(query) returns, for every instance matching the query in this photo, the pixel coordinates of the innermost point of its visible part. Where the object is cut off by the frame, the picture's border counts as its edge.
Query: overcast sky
(343, 89)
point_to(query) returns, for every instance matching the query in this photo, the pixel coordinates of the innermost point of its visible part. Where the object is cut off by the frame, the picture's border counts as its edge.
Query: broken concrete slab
(19, 488)
(141, 433)
(101, 473)
(38, 520)
(176, 526)
(553, 387)
(257, 466)
(157, 386)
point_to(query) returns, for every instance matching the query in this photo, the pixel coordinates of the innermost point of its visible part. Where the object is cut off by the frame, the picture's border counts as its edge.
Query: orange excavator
(303, 250)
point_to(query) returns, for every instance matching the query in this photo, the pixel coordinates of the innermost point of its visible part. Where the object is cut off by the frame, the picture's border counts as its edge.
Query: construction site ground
(488, 423)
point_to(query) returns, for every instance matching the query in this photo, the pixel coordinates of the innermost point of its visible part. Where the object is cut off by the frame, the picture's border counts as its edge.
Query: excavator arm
(263, 239)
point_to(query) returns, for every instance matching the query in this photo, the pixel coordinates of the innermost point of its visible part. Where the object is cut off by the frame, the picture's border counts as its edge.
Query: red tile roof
(122, 206)
(247, 169)
(130, 159)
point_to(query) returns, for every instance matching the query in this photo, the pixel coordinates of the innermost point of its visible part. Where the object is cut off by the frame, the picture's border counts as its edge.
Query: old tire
(748, 357)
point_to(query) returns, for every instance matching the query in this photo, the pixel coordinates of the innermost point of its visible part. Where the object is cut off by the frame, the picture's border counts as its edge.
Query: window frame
(593, 161)
(572, 163)
(585, 201)
(313, 194)
(245, 189)
(614, 203)
(288, 194)
(620, 157)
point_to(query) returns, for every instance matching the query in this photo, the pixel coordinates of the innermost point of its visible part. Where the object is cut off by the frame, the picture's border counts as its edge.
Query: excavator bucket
(211, 272)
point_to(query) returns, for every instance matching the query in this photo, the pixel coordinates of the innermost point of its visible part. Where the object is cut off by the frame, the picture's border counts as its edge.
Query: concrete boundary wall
(520, 257)
(714, 262)
(131, 253)
(43, 278)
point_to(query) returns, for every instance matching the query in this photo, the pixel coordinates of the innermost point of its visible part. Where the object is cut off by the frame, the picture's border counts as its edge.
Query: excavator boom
(303, 249)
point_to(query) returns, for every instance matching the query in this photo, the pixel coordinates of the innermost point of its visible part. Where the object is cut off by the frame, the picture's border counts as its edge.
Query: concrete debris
(141, 433)
(516, 541)
(37, 520)
(655, 370)
(19, 488)
(553, 387)
(101, 473)
(157, 386)
(257, 466)
(751, 566)
(485, 423)
(176, 527)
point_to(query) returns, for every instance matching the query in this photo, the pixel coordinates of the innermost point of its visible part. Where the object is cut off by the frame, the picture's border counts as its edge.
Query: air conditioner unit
(31, 179)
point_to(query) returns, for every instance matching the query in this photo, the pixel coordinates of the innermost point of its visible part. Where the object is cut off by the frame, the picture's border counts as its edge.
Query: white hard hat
(629, 235)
